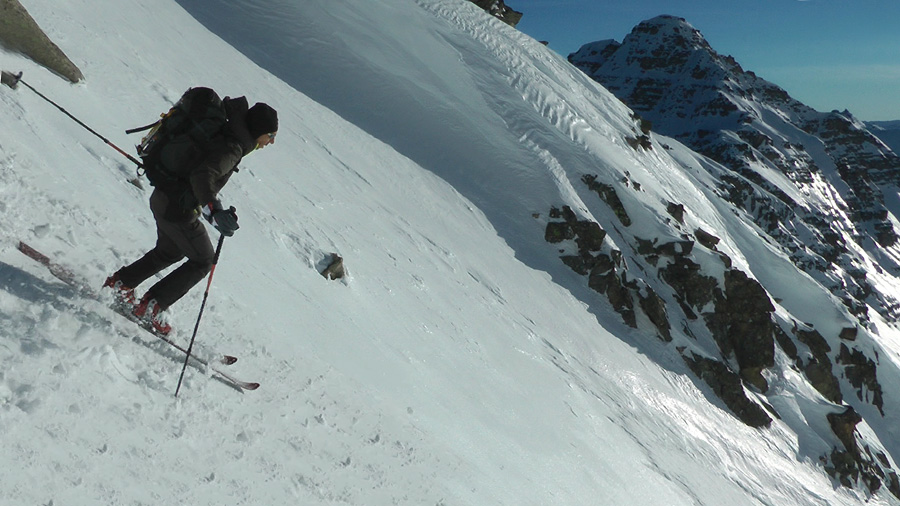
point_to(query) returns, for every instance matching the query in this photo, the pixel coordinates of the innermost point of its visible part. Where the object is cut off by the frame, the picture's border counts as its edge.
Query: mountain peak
(663, 42)
(818, 185)
(668, 45)
(666, 71)
(667, 24)
(667, 35)
(666, 53)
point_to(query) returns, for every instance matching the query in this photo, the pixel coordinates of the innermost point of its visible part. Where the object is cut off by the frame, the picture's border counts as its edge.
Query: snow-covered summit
(819, 185)
(668, 73)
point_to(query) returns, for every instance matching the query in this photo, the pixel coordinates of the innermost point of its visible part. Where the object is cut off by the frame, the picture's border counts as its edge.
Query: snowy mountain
(667, 72)
(820, 186)
(545, 301)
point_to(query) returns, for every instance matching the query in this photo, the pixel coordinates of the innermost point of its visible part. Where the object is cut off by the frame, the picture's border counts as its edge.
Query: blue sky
(829, 54)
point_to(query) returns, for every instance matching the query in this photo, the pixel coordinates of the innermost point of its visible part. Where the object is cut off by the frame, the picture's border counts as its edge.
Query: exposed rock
(824, 209)
(742, 325)
(674, 249)
(818, 372)
(676, 211)
(499, 10)
(849, 334)
(639, 141)
(706, 239)
(19, 32)
(855, 464)
(619, 297)
(558, 231)
(893, 483)
(655, 308)
(814, 340)
(603, 264)
(587, 234)
(600, 268)
(844, 426)
(607, 193)
(693, 287)
(818, 369)
(786, 344)
(582, 263)
(335, 269)
(671, 249)
(861, 372)
(728, 386)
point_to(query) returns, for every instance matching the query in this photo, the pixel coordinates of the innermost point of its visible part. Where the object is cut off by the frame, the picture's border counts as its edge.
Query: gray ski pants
(175, 241)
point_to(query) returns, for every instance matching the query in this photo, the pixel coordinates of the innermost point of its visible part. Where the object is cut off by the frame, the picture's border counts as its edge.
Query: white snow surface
(458, 363)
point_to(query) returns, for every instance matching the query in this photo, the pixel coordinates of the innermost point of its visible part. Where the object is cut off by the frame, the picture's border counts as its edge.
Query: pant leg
(165, 253)
(193, 241)
(189, 239)
(175, 241)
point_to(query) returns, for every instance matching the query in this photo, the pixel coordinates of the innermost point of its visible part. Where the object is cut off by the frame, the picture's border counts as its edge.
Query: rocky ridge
(817, 185)
(779, 152)
(499, 10)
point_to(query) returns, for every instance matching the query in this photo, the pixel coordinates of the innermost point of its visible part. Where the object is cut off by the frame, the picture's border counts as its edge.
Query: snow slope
(458, 363)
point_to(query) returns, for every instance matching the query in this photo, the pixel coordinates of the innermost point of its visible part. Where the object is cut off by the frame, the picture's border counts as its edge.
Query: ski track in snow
(335, 449)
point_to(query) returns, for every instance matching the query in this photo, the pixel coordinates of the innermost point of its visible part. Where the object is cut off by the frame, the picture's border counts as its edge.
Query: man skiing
(177, 205)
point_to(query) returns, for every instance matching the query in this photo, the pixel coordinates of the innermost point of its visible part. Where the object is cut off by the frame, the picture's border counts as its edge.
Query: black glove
(225, 220)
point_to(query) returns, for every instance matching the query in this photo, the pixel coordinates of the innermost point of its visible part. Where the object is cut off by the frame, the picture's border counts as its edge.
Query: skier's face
(265, 139)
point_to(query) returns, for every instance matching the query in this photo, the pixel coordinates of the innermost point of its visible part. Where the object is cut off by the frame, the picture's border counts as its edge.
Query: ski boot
(149, 313)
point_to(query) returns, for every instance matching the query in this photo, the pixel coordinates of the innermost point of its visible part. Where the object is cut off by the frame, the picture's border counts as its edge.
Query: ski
(123, 312)
(67, 276)
(224, 359)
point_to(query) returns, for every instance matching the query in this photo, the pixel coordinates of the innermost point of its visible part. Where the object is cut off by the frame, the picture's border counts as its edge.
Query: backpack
(182, 138)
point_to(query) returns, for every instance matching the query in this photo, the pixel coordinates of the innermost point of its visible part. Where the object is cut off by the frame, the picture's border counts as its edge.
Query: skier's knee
(202, 267)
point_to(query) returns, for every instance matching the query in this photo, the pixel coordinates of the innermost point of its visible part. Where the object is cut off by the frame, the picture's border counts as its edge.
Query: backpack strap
(143, 128)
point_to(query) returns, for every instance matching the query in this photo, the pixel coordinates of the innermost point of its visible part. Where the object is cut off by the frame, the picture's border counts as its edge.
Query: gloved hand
(225, 220)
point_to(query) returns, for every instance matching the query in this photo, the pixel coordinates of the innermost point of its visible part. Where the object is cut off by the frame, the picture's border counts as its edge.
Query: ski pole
(13, 80)
(212, 270)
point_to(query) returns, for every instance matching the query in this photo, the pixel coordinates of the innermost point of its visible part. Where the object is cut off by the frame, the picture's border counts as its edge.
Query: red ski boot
(124, 295)
(150, 313)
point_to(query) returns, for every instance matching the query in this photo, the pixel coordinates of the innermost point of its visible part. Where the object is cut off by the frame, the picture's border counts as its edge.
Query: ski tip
(250, 386)
(228, 360)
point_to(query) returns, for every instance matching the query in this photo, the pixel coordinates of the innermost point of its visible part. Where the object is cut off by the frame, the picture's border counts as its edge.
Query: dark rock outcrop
(742, 325)
(818, 368)
(861, 372)
(854, 463)
(728, 386)
(499, 10)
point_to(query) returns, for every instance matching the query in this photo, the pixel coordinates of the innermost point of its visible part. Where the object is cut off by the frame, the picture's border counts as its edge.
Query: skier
(177, 206)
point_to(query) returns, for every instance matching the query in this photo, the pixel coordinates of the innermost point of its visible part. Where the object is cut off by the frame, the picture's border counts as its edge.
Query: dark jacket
(207, 179)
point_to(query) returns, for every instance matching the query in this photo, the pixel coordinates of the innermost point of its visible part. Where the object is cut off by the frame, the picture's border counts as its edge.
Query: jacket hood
(236, 129)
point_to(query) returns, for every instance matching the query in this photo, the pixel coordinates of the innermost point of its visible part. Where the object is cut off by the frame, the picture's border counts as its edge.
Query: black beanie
(261, 119)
